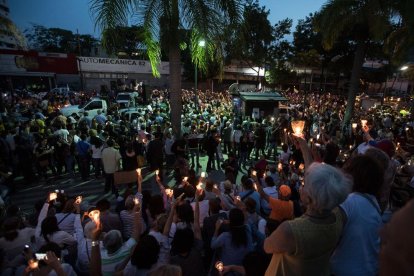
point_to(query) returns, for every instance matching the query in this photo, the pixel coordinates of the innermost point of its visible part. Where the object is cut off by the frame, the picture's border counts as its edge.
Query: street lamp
(201, 43)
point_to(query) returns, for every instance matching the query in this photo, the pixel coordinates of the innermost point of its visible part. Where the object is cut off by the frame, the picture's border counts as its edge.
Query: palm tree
(363, 21)
(203, 17)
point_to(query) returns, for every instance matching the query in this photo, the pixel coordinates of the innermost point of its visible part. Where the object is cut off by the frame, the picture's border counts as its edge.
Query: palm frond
(151, 12)
(111, 13)
(334, 18)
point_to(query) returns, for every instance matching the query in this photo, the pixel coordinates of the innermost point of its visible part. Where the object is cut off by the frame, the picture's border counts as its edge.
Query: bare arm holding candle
(306, 151)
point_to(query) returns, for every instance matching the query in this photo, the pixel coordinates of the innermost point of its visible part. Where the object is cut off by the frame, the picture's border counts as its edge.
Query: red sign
(32, 61)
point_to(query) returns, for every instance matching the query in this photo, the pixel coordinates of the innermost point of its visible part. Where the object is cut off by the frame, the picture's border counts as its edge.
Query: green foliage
(128, 40)
(278, 70)
(251, 39)
(59, 40)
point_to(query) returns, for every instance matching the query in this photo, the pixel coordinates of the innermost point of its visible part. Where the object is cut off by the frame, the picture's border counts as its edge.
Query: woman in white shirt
(66, 218)
(97, 147)
(47, 230)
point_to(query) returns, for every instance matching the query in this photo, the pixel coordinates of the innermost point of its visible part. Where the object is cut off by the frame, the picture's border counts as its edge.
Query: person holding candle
(304, 245)
(236, 243)
(47, 229)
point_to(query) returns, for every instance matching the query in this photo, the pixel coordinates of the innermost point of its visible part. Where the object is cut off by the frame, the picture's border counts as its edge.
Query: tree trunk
(354, 83)
(175, 71)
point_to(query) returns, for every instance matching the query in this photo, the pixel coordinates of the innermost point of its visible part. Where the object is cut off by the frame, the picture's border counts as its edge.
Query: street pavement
(91, 190)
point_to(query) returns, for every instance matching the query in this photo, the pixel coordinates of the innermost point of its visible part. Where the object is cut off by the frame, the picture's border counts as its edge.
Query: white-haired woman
(304, 245)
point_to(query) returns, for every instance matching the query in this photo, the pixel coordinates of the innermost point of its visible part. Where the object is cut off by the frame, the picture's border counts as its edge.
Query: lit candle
(78, 199)
(157, 172)
(52, 196)
(203, 174)
(364, 123)
(254, 173)
(169, 192)
(94, 215)
(136, 201)
(354, 125)
(200, 186)
(139, 171)
(220, 266)
(215, 186)
(238, 198)
(185, 179)
(350, 147)
(317, 136)
(279, 167)
(301, 166)
(33, 264)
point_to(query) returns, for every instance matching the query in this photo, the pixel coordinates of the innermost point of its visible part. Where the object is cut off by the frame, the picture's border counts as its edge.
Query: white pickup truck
(91, 107)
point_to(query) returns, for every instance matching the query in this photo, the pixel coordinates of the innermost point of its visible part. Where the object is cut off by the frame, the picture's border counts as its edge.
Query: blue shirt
(255, 196)
(230, 254)
(358, 250)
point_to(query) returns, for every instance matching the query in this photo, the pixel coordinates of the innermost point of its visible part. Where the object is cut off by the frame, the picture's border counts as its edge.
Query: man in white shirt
(62, 133)
(110, 159)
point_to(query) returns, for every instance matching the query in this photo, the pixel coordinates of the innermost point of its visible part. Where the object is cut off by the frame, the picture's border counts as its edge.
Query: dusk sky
(75, 14)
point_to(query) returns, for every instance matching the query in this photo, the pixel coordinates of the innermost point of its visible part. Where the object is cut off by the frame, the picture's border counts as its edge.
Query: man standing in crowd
(83, 149)
(111, 162)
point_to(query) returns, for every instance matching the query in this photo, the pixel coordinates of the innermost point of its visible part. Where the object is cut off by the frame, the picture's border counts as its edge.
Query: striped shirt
(127, 219)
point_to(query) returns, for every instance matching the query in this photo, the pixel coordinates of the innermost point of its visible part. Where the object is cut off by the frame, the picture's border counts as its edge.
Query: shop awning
(258, 96)
(27, 74)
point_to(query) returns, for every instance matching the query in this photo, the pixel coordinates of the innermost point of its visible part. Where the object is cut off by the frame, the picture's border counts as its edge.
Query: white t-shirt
(62, 133)
(110, 159)
(96, 152)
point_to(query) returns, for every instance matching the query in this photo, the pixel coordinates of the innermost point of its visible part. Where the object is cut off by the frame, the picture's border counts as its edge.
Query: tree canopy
(59, 40)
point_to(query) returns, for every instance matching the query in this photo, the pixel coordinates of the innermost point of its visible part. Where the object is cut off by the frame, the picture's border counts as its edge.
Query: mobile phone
(40, 256)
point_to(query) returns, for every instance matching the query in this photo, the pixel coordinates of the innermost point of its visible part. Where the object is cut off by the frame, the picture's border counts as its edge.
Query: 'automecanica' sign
(115, 65)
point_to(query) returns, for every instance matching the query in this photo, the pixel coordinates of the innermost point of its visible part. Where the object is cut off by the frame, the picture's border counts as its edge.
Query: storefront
(111, 73)
(36, 71)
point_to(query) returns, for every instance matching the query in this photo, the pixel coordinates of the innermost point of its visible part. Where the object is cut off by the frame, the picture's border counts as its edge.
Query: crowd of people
(325, 200)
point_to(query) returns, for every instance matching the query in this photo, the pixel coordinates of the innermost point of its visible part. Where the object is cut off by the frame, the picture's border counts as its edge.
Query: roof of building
(259, 96)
